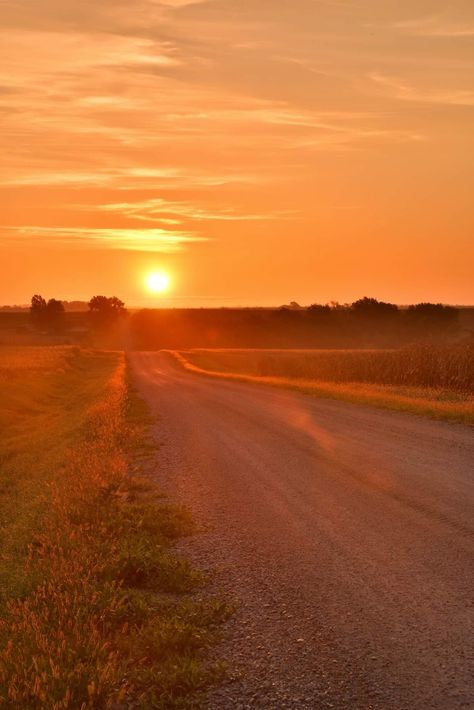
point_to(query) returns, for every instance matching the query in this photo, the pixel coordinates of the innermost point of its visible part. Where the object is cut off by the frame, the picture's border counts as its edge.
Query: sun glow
(158, 282)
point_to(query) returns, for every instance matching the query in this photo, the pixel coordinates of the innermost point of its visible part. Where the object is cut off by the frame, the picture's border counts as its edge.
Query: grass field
(95, 610)
(433, 381)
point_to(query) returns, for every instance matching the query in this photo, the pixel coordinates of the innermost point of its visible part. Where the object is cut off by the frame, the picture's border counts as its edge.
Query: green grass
(96, 608)
(297, 370)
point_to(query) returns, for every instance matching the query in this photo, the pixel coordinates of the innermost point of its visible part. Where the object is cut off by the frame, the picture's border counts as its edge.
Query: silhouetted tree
(37, 308)
(106, 310)
(431, 318)
(291, 306)
(55, 314)
(374, 322)
(49, 314)
(316, 309)
(371, 307)
(339, 307)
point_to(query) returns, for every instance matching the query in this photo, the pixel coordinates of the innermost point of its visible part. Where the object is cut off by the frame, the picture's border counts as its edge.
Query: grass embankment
(434, 382)
(93, 603)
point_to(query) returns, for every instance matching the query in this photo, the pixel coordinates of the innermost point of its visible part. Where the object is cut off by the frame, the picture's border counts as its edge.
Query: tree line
(366, 322)
(50, 315)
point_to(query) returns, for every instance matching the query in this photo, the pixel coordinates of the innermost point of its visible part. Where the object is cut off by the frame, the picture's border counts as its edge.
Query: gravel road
(346, 532)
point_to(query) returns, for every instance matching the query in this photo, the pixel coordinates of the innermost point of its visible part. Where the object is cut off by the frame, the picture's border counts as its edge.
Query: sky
(257, 151)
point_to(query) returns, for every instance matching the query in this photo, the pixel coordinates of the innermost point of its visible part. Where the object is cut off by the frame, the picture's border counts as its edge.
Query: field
(17, 329)
(95, 607)
(437, 381)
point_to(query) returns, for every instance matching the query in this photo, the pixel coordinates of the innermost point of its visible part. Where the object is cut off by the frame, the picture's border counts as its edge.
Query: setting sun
(158, 282)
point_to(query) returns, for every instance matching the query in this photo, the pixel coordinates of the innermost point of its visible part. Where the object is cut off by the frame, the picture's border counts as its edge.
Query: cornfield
(448, 367)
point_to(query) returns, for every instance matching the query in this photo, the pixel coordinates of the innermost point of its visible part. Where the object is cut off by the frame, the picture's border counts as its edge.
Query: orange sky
(260, 150)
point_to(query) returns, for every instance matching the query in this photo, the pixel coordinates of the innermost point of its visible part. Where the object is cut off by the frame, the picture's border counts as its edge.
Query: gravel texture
(345, 532)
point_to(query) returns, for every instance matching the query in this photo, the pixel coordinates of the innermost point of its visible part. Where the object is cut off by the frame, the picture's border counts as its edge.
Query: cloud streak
(78, 106)
(436, 26)
(171, 212)
(145, 240)
(127, 179)
(400, 89)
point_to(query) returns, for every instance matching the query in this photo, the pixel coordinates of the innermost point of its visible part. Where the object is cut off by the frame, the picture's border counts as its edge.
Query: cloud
(172, 212)
(435, 26)
(114, 16)
(399, 89)
(148, 240)
(73, 53)
(145, 178)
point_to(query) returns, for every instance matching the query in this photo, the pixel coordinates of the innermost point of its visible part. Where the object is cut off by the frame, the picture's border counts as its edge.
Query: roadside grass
(95, 606)
(450, 404)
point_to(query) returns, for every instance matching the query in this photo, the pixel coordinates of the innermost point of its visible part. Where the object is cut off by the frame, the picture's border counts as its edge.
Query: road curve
(346, 532)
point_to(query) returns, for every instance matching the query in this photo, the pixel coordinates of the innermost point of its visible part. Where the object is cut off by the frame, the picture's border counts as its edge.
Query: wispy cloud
(127, 178)
(71, 53)
(400, 89)
(148, 240)
(80, 106)
(435, 26)
(172, 212)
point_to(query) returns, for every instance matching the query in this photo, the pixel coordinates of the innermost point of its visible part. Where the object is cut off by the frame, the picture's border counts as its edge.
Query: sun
(158, 282)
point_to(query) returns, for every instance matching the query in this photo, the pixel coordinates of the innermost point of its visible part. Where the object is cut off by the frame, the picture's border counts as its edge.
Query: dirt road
(346, 532)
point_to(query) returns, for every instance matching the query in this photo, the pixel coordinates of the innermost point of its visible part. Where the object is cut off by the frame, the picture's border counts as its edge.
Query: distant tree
(430, 318)
(55, 314)
(38, 310)
(291, 306)
(373, 322)
(371, 307)
(436, 310)
(106, 310)
(107, 304)
(336, 306)
(37, 302)
(317, 309)
(47, 314)
(55, 306)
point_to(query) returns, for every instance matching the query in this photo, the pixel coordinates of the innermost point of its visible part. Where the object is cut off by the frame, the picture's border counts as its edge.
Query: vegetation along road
(346, 533)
